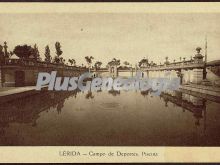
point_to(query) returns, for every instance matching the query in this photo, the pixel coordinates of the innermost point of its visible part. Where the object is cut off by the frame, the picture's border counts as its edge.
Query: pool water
(110, 118)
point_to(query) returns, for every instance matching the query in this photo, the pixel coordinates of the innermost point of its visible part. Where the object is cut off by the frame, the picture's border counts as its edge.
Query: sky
(125, 36)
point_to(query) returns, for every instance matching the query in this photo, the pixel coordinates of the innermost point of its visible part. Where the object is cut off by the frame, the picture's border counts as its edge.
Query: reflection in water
(89, 95)
(110, 118)
(145, 93)
(188, 102)
(114, 93)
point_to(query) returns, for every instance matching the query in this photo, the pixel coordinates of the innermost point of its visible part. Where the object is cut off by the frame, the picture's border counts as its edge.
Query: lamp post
(5, 49)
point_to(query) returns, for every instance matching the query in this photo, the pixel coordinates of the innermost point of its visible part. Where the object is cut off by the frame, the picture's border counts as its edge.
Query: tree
(35, 53)
(152, 63)
(62, 60)
(23, 52)
(89, 61)
(98, 64)
(166, 61)
(11, 54)
(1, 54)
(59, 52)
(143, 62)
(1, 51)
(115, 61)
(57, 58)
(72, 62)
(47, 54)
(126, 63)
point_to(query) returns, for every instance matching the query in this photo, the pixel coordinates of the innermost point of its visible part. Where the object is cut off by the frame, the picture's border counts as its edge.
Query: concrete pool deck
(12, 93)
(14, 90)
(207, 92)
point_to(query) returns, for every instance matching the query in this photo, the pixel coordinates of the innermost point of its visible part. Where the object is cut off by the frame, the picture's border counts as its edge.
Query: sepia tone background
(127, 36)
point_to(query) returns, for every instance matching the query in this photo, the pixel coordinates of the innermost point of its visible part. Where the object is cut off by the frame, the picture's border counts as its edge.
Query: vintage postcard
(109, 82)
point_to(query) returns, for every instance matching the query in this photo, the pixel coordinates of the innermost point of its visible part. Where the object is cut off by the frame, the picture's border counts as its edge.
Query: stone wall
(27, 76)
(189, 75)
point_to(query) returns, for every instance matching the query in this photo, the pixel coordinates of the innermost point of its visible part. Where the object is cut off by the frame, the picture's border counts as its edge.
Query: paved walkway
(202, 89)
(5, 91)
(205, 87)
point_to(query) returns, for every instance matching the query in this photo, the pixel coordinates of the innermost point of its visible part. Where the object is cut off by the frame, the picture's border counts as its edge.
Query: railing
(99, 69)
(32, 63)
(175, 65)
